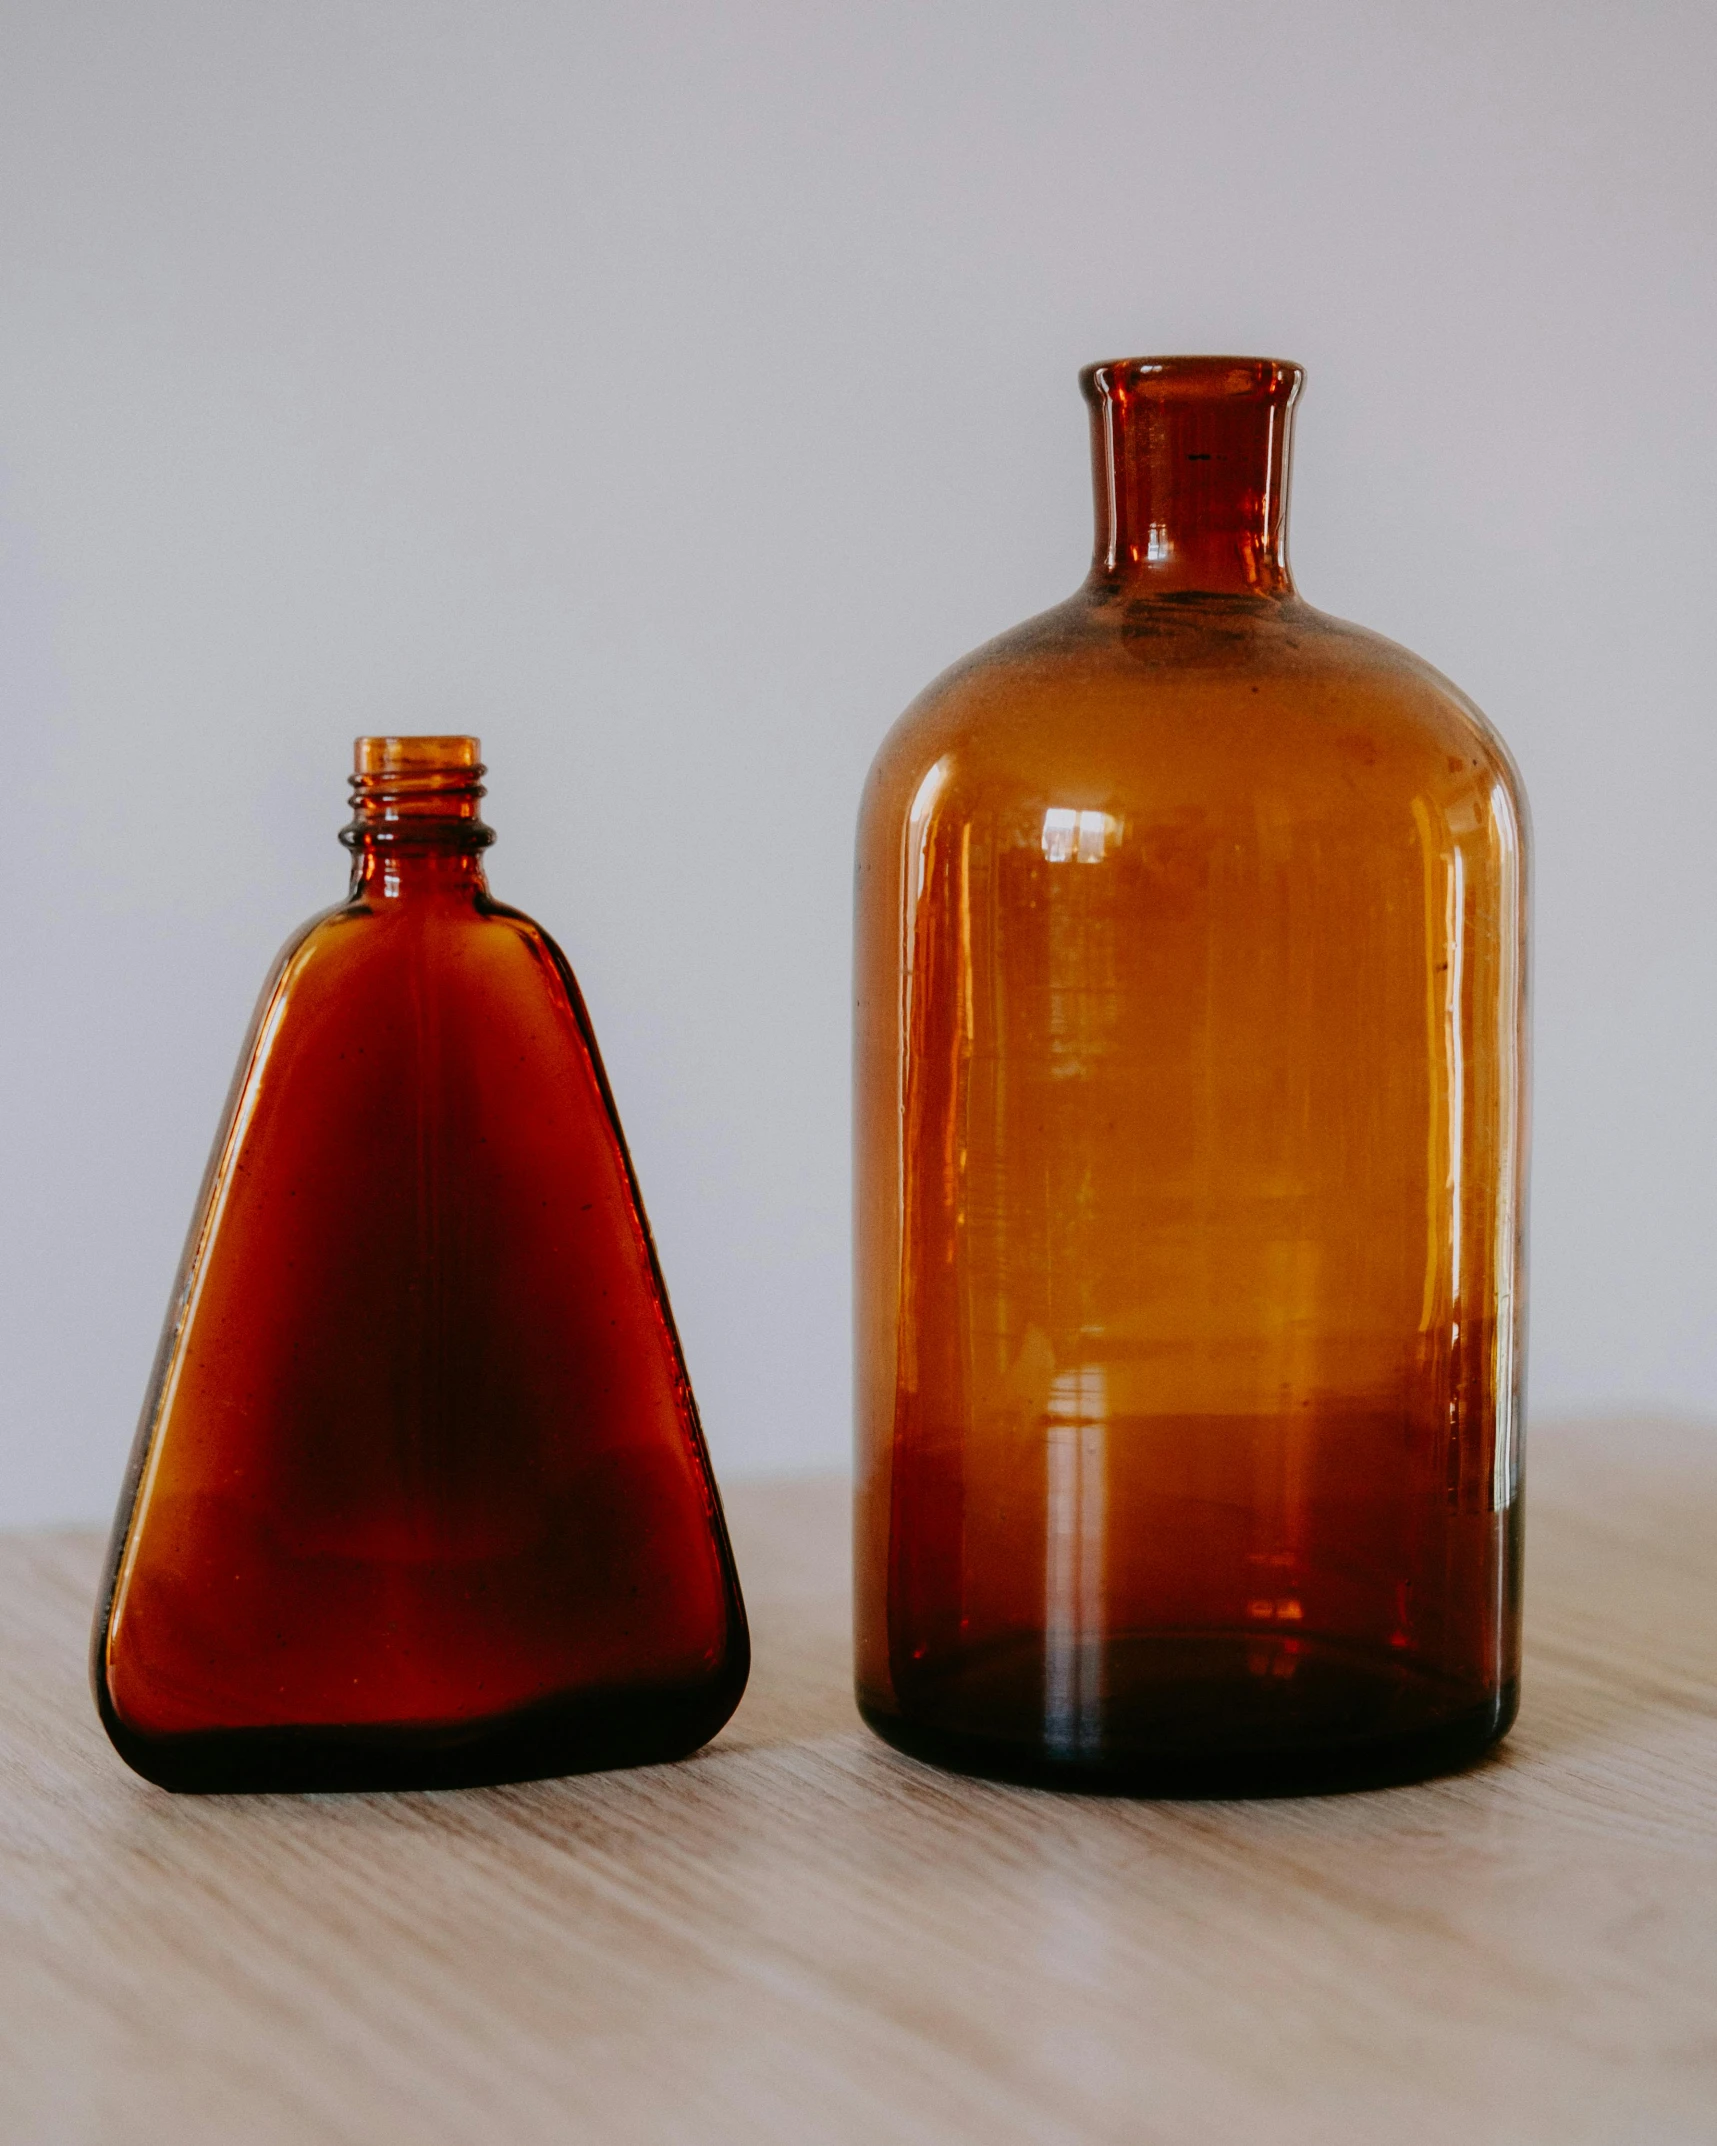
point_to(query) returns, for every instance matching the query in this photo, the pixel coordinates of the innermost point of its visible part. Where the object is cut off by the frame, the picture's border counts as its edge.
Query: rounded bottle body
(1190, 1089)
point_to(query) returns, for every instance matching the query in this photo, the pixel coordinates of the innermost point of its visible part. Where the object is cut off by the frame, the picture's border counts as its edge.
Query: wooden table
(800, 1937)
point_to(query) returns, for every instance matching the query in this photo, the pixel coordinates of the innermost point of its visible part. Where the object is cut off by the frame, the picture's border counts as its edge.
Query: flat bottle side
(275, 984)
(546, 949)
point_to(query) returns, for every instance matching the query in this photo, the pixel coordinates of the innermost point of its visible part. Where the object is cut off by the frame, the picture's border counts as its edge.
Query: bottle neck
(415, 832)
(1189, 460)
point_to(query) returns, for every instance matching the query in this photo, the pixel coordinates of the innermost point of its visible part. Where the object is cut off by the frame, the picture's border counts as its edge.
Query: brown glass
(419, 1495)
(1190, 1120)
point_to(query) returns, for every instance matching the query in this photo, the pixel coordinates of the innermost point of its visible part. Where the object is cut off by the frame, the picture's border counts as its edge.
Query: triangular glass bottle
(419, 1496)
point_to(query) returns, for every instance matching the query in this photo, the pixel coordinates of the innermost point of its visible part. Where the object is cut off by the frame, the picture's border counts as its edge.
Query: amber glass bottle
(1190, 1095)
(419, 1495)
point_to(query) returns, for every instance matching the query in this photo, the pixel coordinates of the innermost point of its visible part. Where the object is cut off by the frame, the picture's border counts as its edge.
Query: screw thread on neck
(417, 793)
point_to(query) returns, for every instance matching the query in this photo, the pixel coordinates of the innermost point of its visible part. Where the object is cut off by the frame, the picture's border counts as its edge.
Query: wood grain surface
(800, 1936)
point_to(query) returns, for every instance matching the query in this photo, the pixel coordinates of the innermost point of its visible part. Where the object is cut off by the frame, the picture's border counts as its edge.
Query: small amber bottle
(419, 1496)
(1190, 1093)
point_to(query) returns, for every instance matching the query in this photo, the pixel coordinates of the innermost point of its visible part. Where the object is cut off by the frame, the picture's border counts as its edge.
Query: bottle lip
(1192, 379)
(413, 756)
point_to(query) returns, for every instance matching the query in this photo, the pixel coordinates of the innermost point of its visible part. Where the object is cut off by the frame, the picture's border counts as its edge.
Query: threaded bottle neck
(414, 830)
(417, 793)
(1190, 472)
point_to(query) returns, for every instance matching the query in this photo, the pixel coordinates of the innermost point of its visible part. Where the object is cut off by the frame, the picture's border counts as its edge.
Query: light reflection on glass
(1074, 1619)
(1505, 1456)
(1071, 836)
(1456, 941)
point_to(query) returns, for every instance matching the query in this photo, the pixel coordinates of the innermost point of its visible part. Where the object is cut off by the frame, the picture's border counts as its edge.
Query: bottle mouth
(417, 790)
(1192, 379)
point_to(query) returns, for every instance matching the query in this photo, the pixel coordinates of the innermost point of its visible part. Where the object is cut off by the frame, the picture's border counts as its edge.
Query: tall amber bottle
(419, 1495)
(1190, 1100)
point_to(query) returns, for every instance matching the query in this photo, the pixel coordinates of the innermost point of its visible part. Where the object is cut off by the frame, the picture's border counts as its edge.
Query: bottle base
(1181, 1718)
(539, 1743)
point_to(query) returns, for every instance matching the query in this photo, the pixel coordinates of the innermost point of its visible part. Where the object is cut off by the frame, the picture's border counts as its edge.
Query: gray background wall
(666, 393)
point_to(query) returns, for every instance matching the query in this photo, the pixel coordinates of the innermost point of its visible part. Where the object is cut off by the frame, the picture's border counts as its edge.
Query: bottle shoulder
(362, 955)
(384, 929)
(1185, 701)
(361, 992)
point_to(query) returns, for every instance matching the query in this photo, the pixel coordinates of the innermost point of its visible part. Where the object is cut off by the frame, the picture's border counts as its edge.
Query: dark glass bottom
(1196, 1715)
(587, 1735)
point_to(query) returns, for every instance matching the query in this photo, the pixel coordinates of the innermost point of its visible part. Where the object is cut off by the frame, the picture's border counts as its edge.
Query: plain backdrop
(666, 393)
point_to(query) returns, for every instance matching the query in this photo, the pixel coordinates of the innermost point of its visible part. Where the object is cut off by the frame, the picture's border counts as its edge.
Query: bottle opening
(1216, 380)
(417, 790)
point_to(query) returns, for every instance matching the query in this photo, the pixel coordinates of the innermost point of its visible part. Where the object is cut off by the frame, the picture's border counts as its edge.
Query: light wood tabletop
(800, 1936)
